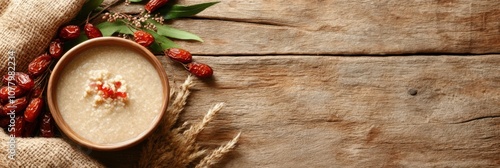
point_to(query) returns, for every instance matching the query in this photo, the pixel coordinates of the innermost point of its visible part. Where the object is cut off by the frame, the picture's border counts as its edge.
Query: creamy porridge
(109, 94)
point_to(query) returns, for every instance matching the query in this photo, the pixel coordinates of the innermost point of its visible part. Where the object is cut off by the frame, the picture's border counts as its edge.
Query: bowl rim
(71, 55)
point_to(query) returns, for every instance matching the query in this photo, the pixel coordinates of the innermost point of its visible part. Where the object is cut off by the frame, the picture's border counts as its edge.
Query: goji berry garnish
(118, 84)
(39, 65)
(199, 69)
(107, 92)
(69, 32)
(24, 80)
(121, 94)
(15, 91)
(18, 127)
(56, 49)
(99, 86)
(179, 55)
(33, 109)
(16, 105)
(91, 31)
(154, 4)
(29, 128)
(47, 125)
(143, 38)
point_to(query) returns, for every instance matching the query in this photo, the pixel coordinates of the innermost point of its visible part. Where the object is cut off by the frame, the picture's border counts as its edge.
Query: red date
(143, 38)
(47, 125)
(36, 92)
(199, 69)
(8, 78)
(56, 49)
(4, 122)
(29, 128)
(6, 91)
(2, 113)
(24, 80)
(91, 31)
(180, 55)
(16, 105)
(69, 32)
(154, 4)
(39, 65)
(33, 109)
(18, 127)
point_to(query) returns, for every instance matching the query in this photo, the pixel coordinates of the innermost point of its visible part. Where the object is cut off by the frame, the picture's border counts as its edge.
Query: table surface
(345, 83)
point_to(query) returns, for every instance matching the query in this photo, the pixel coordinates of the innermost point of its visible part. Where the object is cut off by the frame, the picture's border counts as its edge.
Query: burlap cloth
(43, 152)
(27, 27)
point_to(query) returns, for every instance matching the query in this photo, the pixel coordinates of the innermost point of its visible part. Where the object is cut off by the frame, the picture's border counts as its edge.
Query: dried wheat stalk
(177, 147)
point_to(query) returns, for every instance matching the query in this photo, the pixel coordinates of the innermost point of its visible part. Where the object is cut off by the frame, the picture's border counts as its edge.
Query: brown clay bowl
(74, 52)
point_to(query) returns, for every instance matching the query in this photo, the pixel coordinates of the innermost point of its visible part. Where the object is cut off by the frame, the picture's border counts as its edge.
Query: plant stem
(99, 12)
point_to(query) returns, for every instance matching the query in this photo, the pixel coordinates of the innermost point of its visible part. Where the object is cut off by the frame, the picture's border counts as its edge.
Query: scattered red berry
(69, 32)
(199, 69)
(56, 49)
(179, 55)
(39, 65)
(24, 80)
(91, 31)
(143, 38)
(33, 109)
(152, 5)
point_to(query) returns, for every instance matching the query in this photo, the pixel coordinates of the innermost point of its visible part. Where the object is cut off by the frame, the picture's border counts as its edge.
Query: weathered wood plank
(351, 111)
(338, 27)
(324, 112)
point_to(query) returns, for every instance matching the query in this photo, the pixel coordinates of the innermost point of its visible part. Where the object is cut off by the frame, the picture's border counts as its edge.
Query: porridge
(109, 94)
(106, 91)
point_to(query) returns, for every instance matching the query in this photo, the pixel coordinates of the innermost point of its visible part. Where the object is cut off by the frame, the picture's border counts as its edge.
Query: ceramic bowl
(74, 52)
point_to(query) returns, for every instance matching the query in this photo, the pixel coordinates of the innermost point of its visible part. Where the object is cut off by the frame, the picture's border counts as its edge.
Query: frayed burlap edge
(28, 26)
(42, 152)
(177, 147)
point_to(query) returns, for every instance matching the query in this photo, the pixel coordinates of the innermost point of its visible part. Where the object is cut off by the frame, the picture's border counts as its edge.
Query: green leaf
(161, 41)
(178, 11)
(135, 0)
(99, 9)
(118, 26)
(168, 31)
(156, 48)
(87, 7)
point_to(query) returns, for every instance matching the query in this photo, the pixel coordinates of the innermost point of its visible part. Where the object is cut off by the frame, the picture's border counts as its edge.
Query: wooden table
(346, 83)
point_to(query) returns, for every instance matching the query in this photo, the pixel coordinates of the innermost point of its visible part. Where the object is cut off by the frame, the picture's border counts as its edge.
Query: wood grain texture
(353, 112)
(350, 111)
(324, 111)
(343, 27)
